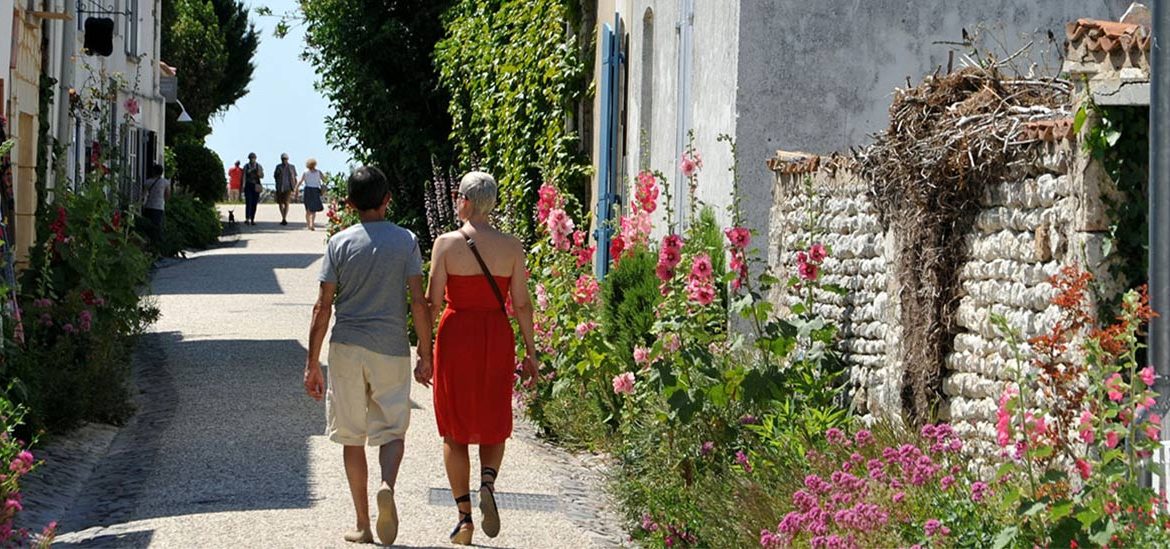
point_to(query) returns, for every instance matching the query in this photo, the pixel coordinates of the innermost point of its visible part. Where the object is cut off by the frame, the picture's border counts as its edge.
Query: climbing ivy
(1119, 140)
(516, 74)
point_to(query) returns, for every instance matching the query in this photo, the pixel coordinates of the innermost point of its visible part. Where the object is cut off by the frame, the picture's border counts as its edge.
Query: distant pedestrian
(156, 190)
(285, 175)
(235, 179)
(370, 267)
(253, 175)
(312, 181)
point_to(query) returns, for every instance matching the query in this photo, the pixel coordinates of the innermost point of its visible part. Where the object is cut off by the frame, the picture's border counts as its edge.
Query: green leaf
(1080, 118)
(1112, 136)
(1030, 509)
(1005, 537)
(1061, 510)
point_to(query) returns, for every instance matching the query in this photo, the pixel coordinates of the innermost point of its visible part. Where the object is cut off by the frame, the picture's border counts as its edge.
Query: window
(131, 34)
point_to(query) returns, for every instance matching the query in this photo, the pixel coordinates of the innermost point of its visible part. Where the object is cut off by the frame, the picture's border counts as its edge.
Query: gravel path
(227, 451)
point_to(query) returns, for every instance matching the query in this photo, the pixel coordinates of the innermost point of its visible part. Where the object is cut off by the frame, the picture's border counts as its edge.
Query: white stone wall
(1048, 216)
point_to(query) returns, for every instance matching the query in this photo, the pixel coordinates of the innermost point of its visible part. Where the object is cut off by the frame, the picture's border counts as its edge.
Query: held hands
(424, 370)
(314, 381)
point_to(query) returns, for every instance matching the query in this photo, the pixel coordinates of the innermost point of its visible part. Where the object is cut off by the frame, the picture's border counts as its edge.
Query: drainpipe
(685, 29)
(1159, 218)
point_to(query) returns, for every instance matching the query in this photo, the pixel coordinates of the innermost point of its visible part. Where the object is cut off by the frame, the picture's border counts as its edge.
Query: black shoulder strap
(486, 273)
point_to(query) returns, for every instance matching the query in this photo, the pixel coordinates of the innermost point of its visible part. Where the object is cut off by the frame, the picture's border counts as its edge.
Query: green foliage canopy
(373, 59)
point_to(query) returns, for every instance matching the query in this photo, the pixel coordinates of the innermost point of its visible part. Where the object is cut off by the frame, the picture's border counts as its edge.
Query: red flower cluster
(808, 264)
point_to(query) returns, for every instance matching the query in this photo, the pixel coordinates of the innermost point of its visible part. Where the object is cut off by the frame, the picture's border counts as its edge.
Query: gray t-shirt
(370, 263)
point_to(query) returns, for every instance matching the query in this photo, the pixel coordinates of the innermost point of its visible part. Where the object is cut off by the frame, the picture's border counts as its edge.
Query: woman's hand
(423, 371)
(530, 368)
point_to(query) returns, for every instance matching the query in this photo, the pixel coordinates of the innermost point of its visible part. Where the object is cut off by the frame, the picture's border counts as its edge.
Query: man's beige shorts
(368, 400)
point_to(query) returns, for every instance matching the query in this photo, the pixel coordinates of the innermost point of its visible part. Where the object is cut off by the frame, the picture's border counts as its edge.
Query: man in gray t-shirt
(367, 271)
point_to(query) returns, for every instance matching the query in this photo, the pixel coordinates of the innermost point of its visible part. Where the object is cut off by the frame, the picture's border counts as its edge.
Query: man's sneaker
(387, 523)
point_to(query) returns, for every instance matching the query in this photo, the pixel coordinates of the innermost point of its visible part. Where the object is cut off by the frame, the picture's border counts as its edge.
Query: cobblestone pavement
(227, 451)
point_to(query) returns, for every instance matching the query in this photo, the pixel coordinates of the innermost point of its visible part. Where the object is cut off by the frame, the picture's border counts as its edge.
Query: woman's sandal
(487, 503)
(461, 535)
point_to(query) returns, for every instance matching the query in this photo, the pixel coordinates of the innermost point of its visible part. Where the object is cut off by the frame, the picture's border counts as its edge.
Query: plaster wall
(818, 76)
(6, 9)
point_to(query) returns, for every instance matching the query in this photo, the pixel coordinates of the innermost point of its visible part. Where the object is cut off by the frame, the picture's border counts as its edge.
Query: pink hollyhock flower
(1084, 468)
(663, 272)
(669, 257)
(817, 253)
(548, 200)
(1111, 439)
(586, 291)
(701, 292)
(1147, 375)
(585, 255)
(1153, 432)
(131, 105)
(701, 267)
(616, 247)
(578, 238)
(13, 504)
(646, 194)
(690, 164)
(807, 271)
(586, 327)
(541, 296)
(742, 459)
(1088, 436)
(739, 237)
(560, 226)
(623, 384)
(635, 229)
(671, 343)
(641, 355)
(1146, 404)
(673, 242)
(1113, 388)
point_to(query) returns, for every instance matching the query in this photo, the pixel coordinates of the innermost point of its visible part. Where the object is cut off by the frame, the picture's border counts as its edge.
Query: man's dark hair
(367, 186)
(156, 170)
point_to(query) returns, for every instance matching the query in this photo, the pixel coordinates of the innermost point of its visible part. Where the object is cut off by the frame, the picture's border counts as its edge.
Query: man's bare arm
(322, 313)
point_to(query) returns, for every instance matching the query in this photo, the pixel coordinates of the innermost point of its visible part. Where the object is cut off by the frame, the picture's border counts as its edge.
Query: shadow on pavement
(252, 274)
(237, 437)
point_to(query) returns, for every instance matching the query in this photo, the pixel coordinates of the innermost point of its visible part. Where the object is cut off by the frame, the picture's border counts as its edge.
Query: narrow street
(228, 451)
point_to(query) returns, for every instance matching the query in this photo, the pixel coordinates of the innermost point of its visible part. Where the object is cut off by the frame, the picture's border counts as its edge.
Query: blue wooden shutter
(607, 184)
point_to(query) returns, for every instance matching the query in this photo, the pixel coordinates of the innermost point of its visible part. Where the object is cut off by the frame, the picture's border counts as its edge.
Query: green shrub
(629, 294)
(200, 171)
(81, 312)
(191, 223)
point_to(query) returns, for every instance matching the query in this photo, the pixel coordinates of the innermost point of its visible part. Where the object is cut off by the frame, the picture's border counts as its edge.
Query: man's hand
(424, 370)
(529, 368)
(314, 381)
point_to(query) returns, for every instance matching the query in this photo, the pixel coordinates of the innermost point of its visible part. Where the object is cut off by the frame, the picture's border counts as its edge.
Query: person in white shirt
(313, 183)
(156, 191)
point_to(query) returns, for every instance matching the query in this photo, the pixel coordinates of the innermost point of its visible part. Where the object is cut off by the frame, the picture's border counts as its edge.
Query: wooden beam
(58, 16)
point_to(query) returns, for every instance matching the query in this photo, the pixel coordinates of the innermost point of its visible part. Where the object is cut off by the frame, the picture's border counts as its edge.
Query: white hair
(479, 188)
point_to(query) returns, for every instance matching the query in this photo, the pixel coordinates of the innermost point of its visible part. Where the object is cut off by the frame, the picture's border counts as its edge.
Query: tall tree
(240, 42)
(194, 45)
(373, 61)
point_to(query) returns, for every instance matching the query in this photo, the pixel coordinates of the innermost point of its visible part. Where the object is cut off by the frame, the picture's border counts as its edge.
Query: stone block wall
(1049, 215)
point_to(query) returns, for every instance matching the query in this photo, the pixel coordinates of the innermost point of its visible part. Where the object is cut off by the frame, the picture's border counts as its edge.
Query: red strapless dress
(475, 359)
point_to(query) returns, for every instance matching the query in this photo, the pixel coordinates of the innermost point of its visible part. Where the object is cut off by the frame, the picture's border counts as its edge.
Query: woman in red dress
(475, 351)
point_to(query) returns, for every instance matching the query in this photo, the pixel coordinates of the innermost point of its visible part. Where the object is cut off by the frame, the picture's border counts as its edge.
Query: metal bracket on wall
(102, 11)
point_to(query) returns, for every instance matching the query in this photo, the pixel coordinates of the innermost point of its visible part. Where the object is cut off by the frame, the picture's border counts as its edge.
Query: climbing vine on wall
(1119, 140)
(516, 73)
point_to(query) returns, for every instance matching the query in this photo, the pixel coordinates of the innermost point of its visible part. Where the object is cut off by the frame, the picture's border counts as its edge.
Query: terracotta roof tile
(1108, 36)
(794, 162)
(1049, 131)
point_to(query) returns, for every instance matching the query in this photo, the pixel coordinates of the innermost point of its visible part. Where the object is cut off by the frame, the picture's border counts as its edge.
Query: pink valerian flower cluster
(669, 256)
(808, 263)
(742, 459)
(22, 463)
(623, 383)
(701, 282)
(857, 504)
(586, 290)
